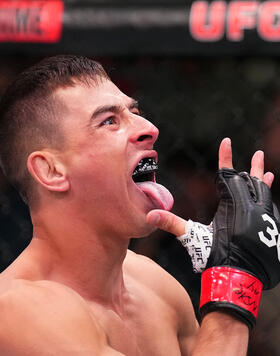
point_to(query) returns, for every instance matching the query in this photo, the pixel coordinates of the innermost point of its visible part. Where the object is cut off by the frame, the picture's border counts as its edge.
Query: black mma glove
(245, 253)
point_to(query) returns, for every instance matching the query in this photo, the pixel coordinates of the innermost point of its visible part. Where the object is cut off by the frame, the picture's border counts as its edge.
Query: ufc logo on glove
(273, 233)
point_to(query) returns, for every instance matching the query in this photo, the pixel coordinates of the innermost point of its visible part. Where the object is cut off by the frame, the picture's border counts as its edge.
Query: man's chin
(144, 231)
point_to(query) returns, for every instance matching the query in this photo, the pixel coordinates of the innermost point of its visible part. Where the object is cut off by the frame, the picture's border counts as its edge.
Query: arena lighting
(212, 21)
(31, 21)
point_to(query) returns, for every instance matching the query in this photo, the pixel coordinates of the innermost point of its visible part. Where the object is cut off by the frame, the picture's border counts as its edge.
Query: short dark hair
(28, 111)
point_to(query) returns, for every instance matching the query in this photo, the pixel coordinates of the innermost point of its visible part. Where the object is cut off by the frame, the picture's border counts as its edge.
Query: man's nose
(144, 132)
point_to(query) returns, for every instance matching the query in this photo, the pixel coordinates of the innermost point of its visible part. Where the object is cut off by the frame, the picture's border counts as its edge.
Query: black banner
(101, 28)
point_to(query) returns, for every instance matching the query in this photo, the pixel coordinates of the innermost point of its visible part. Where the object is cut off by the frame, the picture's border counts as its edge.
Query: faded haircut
(29, 113)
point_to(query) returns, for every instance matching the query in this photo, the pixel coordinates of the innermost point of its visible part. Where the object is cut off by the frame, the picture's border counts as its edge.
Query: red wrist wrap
(230, 285)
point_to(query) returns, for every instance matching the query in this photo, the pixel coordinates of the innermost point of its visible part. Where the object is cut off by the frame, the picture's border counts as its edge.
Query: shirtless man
(71, 141)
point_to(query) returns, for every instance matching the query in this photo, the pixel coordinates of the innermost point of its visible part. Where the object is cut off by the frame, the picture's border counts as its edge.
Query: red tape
(227, 284)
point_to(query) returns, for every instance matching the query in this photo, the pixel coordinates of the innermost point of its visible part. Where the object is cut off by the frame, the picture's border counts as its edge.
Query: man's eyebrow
(113, 108)
(106, 108)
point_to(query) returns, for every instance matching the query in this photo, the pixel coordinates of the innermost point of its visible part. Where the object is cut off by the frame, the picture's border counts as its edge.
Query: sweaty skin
(76, 290)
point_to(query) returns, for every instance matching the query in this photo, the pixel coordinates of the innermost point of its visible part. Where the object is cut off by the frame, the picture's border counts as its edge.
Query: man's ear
(48, 171)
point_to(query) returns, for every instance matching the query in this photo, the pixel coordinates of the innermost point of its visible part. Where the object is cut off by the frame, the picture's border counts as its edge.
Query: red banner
(210, 22)
(31, 21)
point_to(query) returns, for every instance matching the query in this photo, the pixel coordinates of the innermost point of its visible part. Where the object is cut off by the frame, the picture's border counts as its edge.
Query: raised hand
(245, 253)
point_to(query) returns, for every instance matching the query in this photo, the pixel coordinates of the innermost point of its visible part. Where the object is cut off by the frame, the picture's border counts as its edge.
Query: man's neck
(77, 256)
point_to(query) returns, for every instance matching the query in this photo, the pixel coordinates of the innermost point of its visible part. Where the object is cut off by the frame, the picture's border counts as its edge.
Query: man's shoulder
(14, 286)
(136, 263)
(158, 281)
(46, 316)
(154, 277)
(32, 296)
(147, 270)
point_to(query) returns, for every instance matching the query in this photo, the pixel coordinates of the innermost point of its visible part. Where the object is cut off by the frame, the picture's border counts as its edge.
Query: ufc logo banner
(212, 21)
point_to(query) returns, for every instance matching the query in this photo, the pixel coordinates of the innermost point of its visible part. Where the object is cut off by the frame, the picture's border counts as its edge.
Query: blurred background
(201, 71)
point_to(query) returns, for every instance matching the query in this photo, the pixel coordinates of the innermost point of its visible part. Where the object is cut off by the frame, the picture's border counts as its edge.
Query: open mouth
(145, 170)
(144, 176)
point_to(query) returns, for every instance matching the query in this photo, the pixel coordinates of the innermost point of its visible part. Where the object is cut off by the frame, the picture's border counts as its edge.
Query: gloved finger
(225, 154)
(257, 165)
(232, 185)
(250, 184)
(255, 185)
(263, 193)
(167, 221)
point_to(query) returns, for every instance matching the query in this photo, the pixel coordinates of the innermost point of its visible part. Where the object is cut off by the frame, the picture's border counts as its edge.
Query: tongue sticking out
(160, 196)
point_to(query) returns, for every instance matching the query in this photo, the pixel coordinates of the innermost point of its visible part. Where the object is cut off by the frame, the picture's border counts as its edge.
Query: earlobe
(48, 171)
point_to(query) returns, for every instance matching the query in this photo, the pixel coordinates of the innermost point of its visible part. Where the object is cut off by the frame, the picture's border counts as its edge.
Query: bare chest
(148, 329)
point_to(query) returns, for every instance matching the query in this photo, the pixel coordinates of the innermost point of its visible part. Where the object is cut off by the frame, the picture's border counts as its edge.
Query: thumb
(166, 221)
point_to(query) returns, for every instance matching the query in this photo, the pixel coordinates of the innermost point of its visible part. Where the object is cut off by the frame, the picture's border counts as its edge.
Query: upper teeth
(145, 165)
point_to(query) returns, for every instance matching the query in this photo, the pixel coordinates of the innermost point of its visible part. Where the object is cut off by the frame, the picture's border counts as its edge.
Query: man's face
(105, 139)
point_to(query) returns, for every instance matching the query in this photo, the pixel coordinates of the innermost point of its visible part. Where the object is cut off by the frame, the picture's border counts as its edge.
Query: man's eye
(136, 112)
(109, 121)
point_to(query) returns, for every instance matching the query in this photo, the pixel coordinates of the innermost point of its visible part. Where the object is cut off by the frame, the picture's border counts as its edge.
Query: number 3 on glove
(273, 233)
(243, 258)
